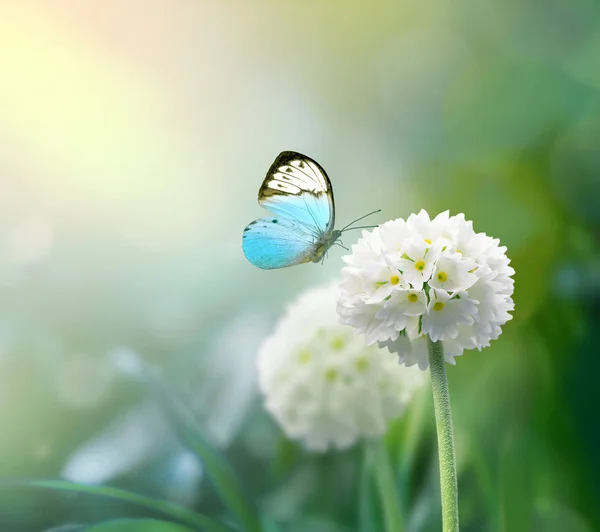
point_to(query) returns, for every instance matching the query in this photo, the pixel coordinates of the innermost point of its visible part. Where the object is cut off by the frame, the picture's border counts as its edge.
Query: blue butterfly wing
(299, 192)
(311, 212)
(271, 243)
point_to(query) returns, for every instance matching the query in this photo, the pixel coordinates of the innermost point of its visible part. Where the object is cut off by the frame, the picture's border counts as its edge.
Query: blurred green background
(133, 139)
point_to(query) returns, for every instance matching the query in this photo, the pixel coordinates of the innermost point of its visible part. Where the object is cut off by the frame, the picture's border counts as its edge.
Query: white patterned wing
(296, 187)
(293, 173)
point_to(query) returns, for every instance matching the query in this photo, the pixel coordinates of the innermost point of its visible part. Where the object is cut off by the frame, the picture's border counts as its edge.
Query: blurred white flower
(84, 381)
(184, 474)
(130, 439)
(228, 382)
(320, 381)
(220, 403)
(437, 277)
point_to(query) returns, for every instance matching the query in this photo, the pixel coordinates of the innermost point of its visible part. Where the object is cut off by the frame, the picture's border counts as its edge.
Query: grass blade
(367, 516)
(389, 493)
(137, 525)
(226, 483)
(173, 511)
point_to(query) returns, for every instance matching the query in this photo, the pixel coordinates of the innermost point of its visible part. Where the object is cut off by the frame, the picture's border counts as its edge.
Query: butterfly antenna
(362, 227)
(346, 228)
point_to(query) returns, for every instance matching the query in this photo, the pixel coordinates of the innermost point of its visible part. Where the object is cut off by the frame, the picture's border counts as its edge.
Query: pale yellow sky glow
(92, 128)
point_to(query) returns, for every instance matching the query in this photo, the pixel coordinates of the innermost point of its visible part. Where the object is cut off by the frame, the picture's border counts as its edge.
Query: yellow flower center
(413, 298)
(394, 279)
(304, 357)
(438, 305)
(331, 374)
(442, 277)
(420, 265)
(362, 364)
(337, 343)
(427, 241)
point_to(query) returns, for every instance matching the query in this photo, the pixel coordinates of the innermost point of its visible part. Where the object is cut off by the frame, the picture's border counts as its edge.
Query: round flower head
(408, 279)
(320, 381)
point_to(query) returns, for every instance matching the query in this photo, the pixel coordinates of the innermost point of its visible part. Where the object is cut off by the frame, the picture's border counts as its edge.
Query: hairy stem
(443, 422)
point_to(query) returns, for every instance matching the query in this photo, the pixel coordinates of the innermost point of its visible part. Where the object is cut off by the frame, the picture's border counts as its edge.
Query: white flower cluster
(408, 279)
(321, 382)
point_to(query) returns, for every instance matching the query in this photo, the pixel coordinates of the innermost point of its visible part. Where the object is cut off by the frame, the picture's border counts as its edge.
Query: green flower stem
(443, 422)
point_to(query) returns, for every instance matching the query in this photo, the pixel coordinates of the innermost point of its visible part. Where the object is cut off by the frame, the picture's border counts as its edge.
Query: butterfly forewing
(297, 186)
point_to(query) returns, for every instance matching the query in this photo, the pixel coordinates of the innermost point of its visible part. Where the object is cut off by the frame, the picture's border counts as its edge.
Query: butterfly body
(299, 194)
(324, 244)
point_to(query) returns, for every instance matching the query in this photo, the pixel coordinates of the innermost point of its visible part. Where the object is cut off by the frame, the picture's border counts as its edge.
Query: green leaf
(367, 513)
(138, 525)
(389, 493)
(487, 486)
(178, 513)
(269, 525)
(215, 466)
(286, 456)
(552, 516)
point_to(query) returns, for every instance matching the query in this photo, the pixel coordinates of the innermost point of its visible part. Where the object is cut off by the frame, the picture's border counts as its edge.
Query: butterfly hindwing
(299, 193)
(273, 242)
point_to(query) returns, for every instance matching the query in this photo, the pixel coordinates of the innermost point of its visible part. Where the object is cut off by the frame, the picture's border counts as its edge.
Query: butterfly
(299, 194)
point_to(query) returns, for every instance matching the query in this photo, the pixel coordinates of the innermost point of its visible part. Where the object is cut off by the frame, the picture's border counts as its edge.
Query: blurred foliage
(133, 140)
